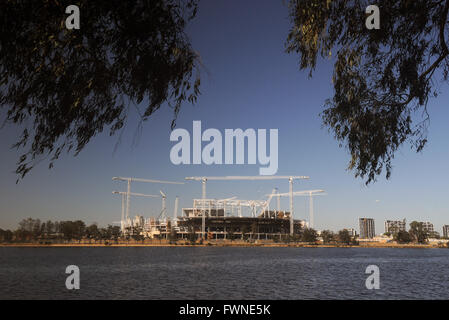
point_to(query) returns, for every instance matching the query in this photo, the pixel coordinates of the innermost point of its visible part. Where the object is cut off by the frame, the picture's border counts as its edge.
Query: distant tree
(114, 231)
(63, 86)
(382, 78)
(49, 227)
(27, 224)
(418, 233)
(67, 229)
(344, 237)
(36, 229)
(402, 237)
(27, 229)
(309, 235)
(8, 236)
(80, 229)
(5, 235)
(136, 233)
(92, 232)
(328, 236)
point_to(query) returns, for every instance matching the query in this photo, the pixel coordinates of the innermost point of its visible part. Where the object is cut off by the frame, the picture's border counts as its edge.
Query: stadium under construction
(214, 219)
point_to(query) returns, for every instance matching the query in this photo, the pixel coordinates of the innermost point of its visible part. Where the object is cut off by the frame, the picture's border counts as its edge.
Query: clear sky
(248, 81)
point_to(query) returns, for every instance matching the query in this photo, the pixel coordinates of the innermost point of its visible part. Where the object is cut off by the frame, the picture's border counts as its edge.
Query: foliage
(344, 237)
(327, 236)
(32, 229)
(73, 229)
(63, 87)
(309, 235)
(6, 235)
(382, 78)
(402, 237)
(418, 233)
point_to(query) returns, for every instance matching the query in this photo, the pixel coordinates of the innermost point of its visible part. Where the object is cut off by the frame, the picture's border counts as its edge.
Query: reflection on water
(223, 273)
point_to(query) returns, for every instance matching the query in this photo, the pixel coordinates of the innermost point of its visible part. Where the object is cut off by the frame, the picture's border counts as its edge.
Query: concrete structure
(428, 226)
(446, 231)
(224, 219)
(366, 228)
(394, 226)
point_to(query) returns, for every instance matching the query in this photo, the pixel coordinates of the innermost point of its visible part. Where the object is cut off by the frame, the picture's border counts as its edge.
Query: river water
(223, 273)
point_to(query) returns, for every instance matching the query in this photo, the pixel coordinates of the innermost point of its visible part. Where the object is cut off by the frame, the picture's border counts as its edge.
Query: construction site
(217, 219)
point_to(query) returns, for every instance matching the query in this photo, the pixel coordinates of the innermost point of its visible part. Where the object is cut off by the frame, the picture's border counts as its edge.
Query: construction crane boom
(246, 178)
(309, 193)
(125, 195)
(136, 194)
(128, 192)
(146, 180)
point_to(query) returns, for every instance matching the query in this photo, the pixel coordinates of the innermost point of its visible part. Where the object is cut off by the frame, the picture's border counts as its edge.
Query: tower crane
(129, 180)
(163, 214)
(124, 195)
(309, 193)
(175, 211)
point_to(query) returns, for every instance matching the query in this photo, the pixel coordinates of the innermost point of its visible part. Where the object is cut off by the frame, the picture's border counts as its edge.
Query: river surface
(223, 273)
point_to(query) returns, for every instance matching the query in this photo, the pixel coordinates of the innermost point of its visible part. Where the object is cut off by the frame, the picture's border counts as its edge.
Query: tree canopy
(382, 78)
(65, 86)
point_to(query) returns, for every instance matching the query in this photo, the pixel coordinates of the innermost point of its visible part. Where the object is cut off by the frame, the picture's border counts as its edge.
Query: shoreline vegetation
(34, 233)
(222, 243)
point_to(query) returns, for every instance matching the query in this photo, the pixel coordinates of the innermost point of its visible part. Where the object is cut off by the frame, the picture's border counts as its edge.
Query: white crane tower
(309, 193)
(123, 222)
(128, 192)
(228, 178)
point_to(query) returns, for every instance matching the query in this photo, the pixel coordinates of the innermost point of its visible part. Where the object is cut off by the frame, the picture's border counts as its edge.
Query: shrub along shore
(220, 243)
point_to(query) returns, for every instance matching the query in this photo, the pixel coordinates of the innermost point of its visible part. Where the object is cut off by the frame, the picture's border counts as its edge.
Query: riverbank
(223, 244)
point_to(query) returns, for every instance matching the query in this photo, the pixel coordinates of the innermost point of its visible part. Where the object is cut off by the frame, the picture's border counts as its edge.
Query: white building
(428, 226)
(394, 226)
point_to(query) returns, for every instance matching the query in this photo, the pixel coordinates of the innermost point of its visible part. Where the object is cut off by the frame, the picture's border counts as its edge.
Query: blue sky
(248, 81)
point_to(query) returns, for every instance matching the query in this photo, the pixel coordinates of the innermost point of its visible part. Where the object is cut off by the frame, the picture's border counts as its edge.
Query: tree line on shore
(32, 230)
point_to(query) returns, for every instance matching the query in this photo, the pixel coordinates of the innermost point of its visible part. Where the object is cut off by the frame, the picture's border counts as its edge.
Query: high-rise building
(427, 226)
(446, 231)
(366, 228)
(394, 226)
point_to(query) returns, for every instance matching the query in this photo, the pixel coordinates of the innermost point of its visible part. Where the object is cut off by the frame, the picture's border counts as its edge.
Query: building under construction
(230, 218)
(224, 219)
